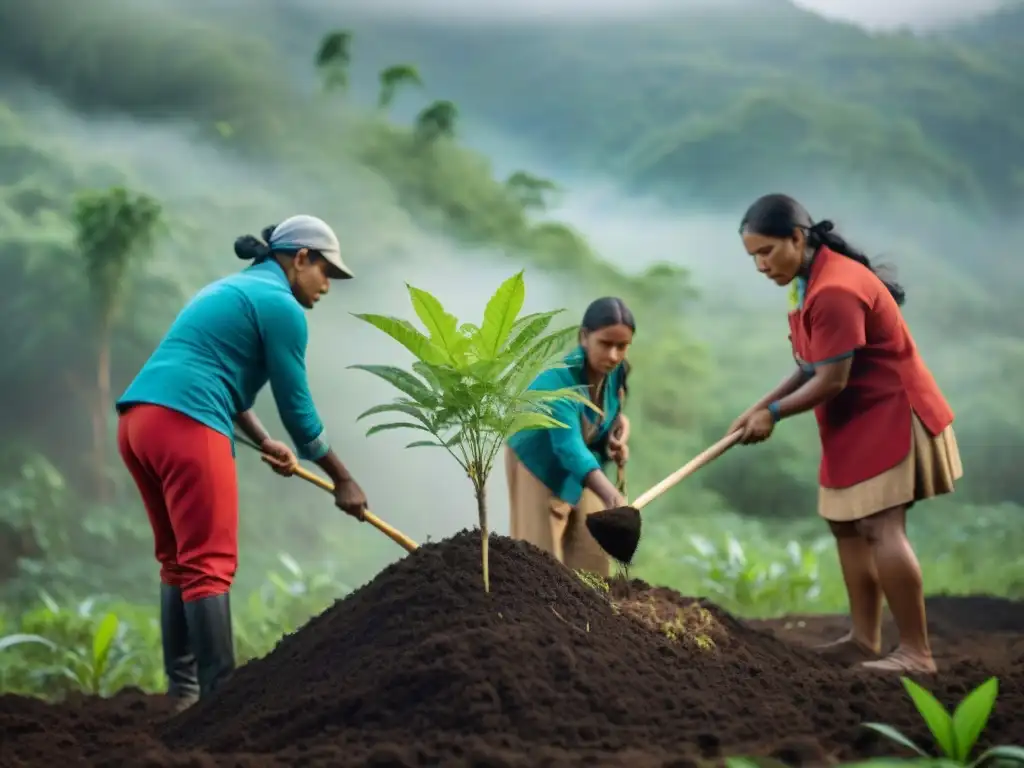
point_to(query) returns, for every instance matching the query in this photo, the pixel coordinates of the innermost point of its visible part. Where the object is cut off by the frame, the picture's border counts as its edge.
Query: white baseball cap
(310, 232)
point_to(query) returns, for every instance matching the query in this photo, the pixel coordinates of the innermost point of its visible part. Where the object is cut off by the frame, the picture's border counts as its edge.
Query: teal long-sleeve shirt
(233, 337)
(560, 458)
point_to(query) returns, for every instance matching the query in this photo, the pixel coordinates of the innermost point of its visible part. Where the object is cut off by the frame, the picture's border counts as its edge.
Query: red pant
(185, 472)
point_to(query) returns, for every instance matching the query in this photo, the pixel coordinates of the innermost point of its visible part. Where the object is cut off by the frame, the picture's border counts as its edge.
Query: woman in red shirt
(886, 430)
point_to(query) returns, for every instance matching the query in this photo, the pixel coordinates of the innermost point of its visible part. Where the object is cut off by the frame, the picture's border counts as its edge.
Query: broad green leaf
(525, 320)
(530, 420)
(394, 425)
(442, 326)
(425, 444)
(405, 334)
(9, 641)
(893, 735)
(407, 408)
(934, 714)
(970, 717)
(500, 315)
(575, 394)
(1007, 754)
(403, 381)
(522, 336)
(103, 640)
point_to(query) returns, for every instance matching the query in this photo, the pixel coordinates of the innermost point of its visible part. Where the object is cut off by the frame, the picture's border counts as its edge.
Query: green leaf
(934, 714)
(521, 336)
(394, 425)
(103, 640)
(406, 408)
(500, 316)
(403, 381)
(1007, 754)
(442, 326)
(528, 420)
(425, 444)
(9, 641)
(405, 334)
(893, 735)
(575, 394)
(970, 717)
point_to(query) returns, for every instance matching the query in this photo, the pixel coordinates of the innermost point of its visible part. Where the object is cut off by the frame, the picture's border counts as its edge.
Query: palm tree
(334, 57)
(437, 120)
(395, 77)
(113, 230)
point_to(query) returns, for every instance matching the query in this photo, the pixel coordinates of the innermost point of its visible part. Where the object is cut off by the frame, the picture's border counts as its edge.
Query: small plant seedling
(469, 388)
(955, 734)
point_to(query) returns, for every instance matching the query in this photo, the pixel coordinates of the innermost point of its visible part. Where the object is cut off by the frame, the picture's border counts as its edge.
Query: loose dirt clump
(421, 667)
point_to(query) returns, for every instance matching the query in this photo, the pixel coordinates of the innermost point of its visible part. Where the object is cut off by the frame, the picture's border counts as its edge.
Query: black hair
(778, 215)
(255, 249)
(604, 313)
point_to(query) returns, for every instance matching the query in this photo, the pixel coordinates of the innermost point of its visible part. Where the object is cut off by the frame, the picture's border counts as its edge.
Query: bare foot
(905, 661)
(846, 650)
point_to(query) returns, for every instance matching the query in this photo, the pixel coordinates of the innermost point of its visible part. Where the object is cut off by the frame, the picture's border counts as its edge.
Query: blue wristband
(775, 411)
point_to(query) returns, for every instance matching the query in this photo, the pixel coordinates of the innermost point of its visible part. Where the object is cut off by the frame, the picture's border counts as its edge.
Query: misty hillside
(1003, 29)
(682, 105)
(709, 103)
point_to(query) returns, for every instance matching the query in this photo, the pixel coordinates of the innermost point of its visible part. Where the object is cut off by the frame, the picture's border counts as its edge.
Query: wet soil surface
(421, 667)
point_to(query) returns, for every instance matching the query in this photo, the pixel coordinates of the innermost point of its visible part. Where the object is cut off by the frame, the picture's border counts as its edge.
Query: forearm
(598, 482)
(788, 386)
(252, 427)
(333, 466)
(814, 392)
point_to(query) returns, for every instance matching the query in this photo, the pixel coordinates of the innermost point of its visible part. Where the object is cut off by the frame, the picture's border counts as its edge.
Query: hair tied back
(251, 248)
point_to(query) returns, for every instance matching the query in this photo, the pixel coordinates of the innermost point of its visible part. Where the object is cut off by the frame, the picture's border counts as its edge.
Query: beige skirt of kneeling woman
(930, 469)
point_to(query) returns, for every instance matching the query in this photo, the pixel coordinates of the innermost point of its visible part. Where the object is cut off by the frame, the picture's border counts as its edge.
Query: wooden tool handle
(682, 473)
(395, 535)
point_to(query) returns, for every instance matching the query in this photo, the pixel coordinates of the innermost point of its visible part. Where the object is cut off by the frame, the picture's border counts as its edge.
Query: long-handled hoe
(618, 530)
(311, 477)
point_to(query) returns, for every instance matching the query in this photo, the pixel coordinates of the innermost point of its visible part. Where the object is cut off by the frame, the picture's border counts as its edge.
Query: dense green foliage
(703, 112)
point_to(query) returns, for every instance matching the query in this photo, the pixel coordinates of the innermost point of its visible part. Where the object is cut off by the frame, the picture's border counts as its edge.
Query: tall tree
(334, 57)
(437, 120)
(395, 77)
(114, 229)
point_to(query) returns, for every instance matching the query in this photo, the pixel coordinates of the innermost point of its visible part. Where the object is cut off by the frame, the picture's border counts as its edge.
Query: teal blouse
(561, 458)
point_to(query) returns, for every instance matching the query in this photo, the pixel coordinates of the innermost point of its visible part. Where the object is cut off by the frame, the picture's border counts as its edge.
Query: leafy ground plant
(955, 734)
(469, 386)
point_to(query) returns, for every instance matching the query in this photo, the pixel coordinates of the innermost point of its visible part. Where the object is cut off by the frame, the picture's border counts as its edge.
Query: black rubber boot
(179, 661)
(209, 630)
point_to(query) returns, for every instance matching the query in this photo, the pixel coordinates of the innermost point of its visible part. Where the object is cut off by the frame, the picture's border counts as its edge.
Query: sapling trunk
(481, 508)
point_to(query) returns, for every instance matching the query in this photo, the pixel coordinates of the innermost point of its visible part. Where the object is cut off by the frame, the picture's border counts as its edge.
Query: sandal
(904, 662)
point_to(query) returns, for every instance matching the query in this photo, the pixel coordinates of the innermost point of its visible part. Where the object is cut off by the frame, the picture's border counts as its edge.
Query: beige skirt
(930, 469)
(553, 525)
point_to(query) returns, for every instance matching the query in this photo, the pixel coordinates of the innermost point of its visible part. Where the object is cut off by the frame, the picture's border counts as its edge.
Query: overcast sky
(889, 13)
(871, 13)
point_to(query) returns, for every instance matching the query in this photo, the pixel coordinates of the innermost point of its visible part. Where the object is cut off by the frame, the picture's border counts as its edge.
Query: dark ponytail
(778, 215)
(604, 313)
(252, 248)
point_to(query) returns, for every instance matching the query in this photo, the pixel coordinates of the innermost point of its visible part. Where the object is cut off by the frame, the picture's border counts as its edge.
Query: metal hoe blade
(617, 531)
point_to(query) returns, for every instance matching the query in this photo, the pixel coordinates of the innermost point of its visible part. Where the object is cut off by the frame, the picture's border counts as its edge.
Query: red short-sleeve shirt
(866, 428)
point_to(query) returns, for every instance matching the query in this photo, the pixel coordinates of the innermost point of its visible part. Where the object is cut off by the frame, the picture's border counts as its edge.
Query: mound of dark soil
(421, 667)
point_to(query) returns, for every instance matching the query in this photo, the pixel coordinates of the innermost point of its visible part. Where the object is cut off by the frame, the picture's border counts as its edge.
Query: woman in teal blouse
(556, 476)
